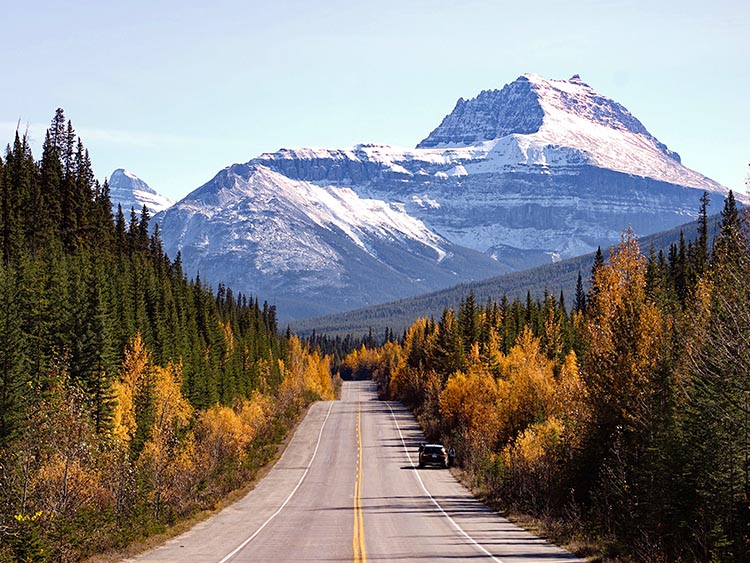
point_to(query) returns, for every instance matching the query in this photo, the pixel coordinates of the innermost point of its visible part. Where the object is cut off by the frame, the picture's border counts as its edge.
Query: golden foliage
(468, 404)
(626, 334)
(537, 444)
(135, 368)
(65, 486)
(220, 435)
(172, 410)
(526, 387)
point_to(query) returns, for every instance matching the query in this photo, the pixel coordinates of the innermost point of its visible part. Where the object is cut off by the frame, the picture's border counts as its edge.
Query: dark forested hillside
(557, 278)
(119, 376)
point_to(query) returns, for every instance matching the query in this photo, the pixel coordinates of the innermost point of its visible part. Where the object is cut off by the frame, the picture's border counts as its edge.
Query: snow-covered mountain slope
(310, 248)
(537, 171)
(128, 190)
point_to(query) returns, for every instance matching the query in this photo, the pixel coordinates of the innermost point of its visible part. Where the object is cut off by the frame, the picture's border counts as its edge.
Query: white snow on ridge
(277, 214)
(154, 201)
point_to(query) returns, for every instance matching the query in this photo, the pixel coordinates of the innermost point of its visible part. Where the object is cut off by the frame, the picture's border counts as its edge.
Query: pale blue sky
(177, 90)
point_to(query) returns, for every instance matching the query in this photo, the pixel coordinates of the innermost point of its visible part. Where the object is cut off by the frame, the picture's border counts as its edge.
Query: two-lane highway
(347, 489)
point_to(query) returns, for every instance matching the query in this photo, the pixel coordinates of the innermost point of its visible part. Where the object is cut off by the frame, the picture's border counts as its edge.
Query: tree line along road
(347, 489)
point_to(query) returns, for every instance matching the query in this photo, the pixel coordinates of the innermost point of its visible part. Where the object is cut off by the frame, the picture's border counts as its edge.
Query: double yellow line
(358, 540)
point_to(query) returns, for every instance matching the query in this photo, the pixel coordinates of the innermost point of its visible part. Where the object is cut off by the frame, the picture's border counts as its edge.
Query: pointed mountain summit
(560, 122)
(530, 104)
(534, 172)
(130, 191)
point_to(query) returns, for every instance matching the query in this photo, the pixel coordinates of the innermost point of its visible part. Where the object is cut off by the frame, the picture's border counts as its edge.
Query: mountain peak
(128, 190)
(533, 104)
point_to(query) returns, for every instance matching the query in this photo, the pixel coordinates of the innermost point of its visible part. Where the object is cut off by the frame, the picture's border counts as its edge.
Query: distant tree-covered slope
(554, 278)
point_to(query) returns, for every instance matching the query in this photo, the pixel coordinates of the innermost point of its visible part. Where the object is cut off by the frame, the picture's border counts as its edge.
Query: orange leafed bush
(526, 387)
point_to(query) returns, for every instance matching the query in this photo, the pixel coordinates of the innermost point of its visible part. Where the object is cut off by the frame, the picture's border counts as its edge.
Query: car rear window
(433, 450)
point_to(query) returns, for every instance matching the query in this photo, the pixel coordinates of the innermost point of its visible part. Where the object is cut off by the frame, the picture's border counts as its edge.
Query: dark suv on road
(433, 454)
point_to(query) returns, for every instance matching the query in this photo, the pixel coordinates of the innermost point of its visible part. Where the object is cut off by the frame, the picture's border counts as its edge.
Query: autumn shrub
(533, 461)
(468, 407)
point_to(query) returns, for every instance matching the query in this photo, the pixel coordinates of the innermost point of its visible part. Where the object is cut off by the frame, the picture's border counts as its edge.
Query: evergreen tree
(14, 376)
(51, 172)
(730, 243)
(121, 240)
(580, 305)
(598, 263)
(19, 172)
(468, 321)
(701, 256)
(448, 354)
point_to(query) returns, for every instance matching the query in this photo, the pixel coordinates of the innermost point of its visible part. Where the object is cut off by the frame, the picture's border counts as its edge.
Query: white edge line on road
(283, 504)
(436, 503)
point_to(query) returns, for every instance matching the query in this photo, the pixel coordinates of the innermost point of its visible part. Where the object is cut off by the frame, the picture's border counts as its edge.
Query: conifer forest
(130, 395)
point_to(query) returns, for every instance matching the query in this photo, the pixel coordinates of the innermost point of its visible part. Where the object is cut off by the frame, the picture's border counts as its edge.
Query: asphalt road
(347, 489)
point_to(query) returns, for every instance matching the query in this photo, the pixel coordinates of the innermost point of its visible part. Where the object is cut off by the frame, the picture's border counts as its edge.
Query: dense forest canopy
(130, 395)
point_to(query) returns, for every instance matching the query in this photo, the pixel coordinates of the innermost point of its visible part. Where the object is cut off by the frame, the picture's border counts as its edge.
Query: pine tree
(51, 172)
(142, 235)
(14, 376)
(598, 263)
(69, 196)
(468, 321)
(19, 172)
(449, 349)
(730, 244)
(121, 241)
(580, 305)
(701, 256)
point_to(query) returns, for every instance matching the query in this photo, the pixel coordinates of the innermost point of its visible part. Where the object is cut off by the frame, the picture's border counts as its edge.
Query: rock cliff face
(492, 114)
(537, 171)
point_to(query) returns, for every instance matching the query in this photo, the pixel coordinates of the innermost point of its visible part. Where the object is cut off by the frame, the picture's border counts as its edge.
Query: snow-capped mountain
(128, 190)
(310, 248)
(537, 171)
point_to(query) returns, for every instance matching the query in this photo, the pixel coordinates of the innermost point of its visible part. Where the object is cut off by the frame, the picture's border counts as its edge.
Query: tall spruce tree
(580, 305)
(14, 375)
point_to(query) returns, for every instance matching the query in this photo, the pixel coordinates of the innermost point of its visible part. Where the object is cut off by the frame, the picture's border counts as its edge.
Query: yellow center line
(358, 539)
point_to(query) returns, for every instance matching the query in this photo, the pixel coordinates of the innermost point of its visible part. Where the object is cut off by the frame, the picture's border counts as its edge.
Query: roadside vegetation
(130, 396)
(621, 423)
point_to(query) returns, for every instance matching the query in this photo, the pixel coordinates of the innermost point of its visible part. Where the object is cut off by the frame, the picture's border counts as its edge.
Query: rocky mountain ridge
(535, 172)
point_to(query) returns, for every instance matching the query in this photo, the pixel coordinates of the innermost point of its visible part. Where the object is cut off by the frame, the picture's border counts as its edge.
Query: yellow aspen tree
(492, 354)
(220, 437)
(135, 366)
(172, 409)
(570, 403)
(256, 413)
(526, 385)
(468, 406)
(625, 334)
(159, 459)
